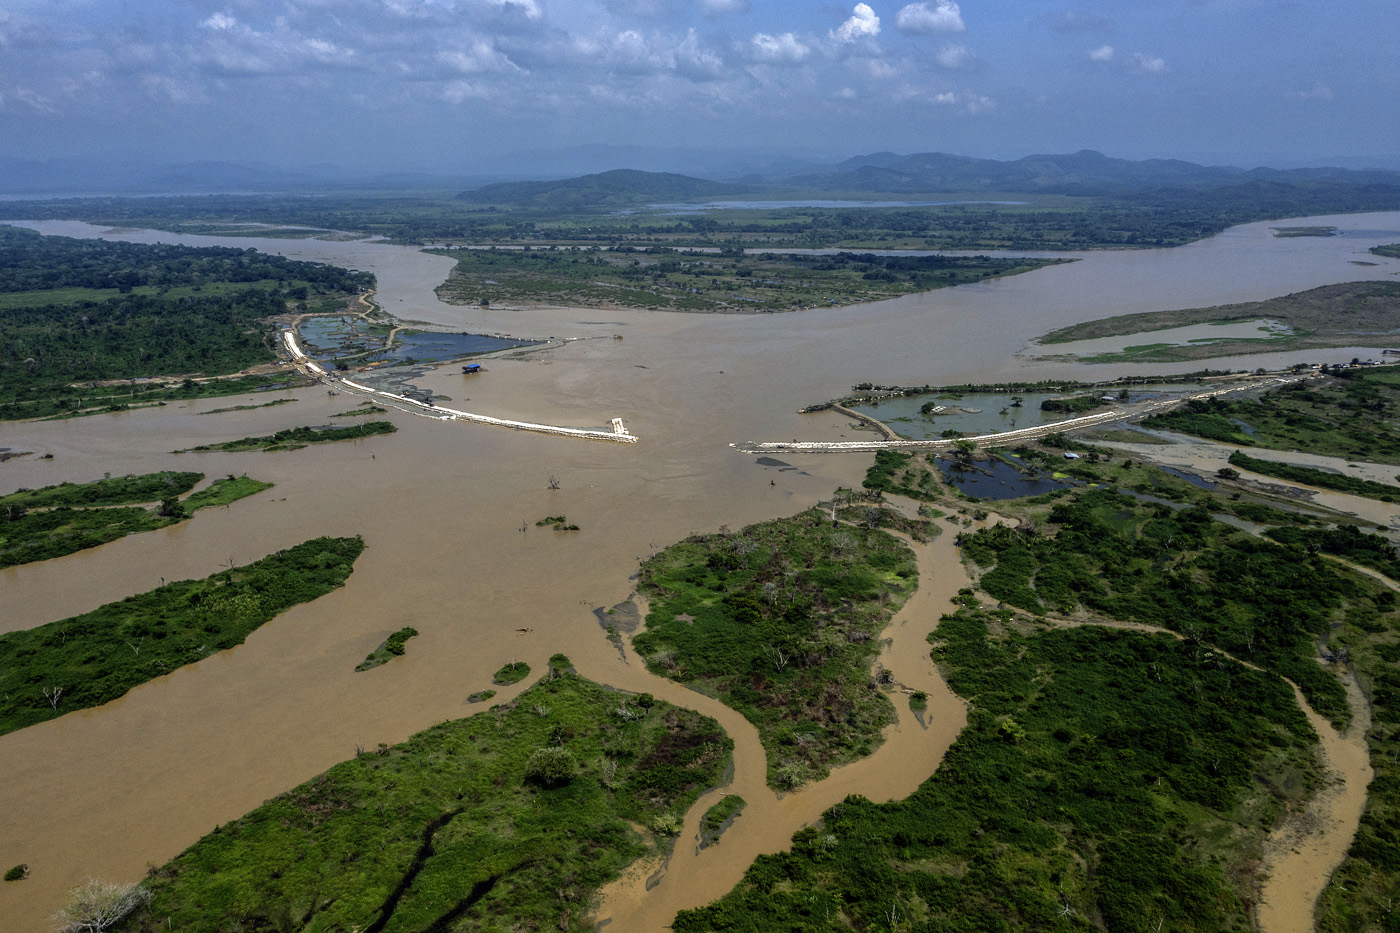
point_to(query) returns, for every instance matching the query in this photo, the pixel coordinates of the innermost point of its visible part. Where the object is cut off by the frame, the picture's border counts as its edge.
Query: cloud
(477, 57)
(863, 23)
(1148, 65)
(944, 16)
(697, 63)
(956, 56)
(1103, 53)
(785, 49)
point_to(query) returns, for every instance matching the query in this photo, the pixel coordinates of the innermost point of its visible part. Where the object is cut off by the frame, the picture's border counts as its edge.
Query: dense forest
(88, 310)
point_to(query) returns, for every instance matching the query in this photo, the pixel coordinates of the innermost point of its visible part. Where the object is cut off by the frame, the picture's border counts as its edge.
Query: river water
(106, 792)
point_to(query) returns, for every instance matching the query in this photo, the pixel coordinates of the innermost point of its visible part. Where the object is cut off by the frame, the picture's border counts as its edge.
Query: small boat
(471, 369)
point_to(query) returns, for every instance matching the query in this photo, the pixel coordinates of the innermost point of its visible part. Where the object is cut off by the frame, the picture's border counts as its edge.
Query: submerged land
(1147, 659)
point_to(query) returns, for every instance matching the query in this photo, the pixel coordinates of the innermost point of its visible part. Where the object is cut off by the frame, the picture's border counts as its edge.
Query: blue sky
(454, 85)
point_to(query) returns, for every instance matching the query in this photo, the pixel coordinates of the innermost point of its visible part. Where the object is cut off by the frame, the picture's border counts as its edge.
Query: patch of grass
(276, 401)
(781, 621)
(59, 401)
(1329, 316)
(294, 438)
(904, 474)
(719, 817)
(224, 491)
(1105, 779)
(1311, 476)
(355, 413)
(390, 648)
(481, 696)
(87, 660)
(450, 830)
(512, 673)
(40, 524)
(124, 490)
(1180, 569)
(1390, 250)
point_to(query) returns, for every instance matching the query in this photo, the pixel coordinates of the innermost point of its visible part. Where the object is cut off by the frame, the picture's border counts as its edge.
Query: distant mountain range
(708, 174)
(1080, 173)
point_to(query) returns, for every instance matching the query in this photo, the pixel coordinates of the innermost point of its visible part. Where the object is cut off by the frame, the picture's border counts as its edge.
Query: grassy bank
(666, 279)
(1179, 569)
(1329, 316)
(87, 660)
(74, 516)
(781, 621)
(296, 438)
(512, 819)
(1310, 476)
(1348, 414)
(1105, 779)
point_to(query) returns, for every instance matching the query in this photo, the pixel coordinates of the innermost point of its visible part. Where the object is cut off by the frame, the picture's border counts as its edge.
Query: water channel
(105, 792)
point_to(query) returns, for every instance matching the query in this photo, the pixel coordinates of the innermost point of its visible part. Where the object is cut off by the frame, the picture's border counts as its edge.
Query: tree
(98, 905)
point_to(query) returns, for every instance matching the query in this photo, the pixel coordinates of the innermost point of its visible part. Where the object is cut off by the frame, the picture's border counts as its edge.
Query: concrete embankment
(618, 434)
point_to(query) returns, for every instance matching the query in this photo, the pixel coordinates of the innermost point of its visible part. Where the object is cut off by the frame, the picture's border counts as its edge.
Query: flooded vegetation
(442, 507)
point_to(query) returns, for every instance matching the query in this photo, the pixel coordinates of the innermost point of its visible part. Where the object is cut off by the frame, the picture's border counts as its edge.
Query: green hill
(616, 189)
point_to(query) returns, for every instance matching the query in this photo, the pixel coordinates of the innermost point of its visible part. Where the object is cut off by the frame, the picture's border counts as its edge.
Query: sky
(465, 85)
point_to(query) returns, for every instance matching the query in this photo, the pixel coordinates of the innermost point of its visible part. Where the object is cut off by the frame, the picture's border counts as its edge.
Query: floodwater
(106, 792)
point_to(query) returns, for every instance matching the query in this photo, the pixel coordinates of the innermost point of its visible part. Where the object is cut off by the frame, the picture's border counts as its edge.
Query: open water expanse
(106, 792)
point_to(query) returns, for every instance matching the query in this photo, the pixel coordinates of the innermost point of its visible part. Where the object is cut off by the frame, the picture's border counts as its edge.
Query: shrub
(550, 766)
(18, 873)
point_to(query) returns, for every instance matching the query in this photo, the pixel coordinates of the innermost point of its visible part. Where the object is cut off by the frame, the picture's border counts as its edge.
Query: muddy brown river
(107, 792)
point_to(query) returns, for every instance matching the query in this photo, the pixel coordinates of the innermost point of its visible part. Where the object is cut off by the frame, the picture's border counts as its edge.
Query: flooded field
(108, 791)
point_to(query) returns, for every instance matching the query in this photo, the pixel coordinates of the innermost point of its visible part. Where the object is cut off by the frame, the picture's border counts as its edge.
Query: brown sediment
(1300, 856)
(105, 792)
(643, 902)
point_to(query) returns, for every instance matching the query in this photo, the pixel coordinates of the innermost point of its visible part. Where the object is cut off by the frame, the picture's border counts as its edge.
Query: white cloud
(785, 49)
(880, 69)
(1103, 53)
(476, 57)
(846, 94)
(863, 23)
(697, 63)
(955, 56)
(1149, 65)
(943, 16)
(219, 22)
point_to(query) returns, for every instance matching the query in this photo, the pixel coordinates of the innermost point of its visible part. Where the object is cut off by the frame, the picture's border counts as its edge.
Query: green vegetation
(557, 522)
(276, 401)
(18, 873)
(1347, 415)
(1179, 569)
(1105, 779)
(1057, 208)
(124, 490)
(781, 621)
(223, 491)
(78, 399)
(297, 438)
(40, 524)
(663, 278)
(898, 473)
(355, 413)
(512, 819)
(1390, 250)
(390, 648)
(480, 696)
(1329, 316)
(87, 311)
(1347, 542)
(1076, 405)
(719, 817)
(1313, 477)
(87, 660)
(512, 673)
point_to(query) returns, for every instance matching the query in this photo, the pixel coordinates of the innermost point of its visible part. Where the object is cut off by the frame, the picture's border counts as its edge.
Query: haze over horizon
(464, 86)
